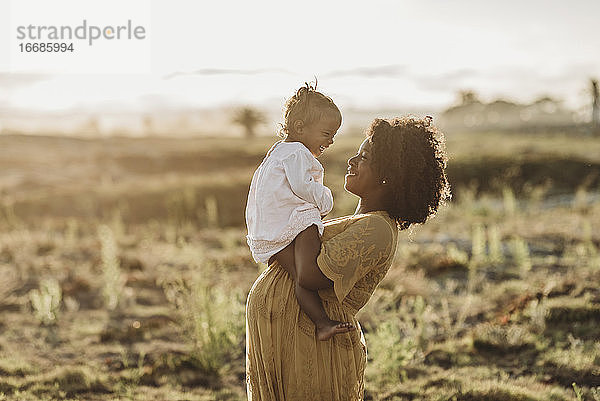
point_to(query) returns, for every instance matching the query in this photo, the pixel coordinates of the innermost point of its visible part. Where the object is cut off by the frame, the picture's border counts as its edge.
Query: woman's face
(361, 178)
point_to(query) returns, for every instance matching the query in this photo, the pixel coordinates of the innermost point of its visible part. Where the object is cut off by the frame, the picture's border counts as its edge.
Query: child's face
(319, 135)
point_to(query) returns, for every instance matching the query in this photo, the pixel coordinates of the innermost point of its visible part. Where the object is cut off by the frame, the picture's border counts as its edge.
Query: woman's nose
(330, 141)
(352, 161)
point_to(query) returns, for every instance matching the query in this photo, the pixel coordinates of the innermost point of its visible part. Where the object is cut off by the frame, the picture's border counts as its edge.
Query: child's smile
(319, 136)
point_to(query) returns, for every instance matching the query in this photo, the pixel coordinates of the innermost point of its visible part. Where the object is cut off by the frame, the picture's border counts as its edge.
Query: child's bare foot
(331, 328)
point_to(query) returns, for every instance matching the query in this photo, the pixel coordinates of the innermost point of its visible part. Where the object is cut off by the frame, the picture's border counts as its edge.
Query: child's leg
(306, 248)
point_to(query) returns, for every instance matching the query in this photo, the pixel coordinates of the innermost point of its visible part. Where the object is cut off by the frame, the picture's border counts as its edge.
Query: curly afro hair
(410, 155)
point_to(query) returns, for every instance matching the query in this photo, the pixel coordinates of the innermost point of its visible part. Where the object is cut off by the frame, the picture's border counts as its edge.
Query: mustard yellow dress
(284, 360)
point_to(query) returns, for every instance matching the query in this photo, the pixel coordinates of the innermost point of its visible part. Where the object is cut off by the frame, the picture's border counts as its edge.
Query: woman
(399, 176)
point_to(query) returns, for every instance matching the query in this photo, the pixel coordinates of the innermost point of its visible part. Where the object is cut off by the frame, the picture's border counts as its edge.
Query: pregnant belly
(271, 294)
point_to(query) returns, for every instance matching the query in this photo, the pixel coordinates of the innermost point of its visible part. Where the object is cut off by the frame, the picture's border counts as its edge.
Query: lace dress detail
(264, 249)
(284, 360)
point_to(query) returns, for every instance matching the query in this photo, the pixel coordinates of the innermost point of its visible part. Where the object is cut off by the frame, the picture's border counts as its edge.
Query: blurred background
(122, 196)
(470, 64)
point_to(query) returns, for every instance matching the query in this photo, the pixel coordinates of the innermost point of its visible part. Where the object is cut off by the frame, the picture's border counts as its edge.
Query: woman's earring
(384, 182)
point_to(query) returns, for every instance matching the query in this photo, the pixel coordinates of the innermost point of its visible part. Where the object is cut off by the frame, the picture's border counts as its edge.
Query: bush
(212, 318)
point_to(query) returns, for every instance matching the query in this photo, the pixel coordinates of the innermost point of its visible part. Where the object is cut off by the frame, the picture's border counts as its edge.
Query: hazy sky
(366, 54)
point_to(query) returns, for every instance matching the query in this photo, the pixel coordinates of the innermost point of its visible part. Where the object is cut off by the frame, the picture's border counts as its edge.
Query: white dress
(286, 196)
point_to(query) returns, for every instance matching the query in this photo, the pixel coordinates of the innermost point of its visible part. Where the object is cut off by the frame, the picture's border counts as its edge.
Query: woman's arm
(309, 276)
(285, 257)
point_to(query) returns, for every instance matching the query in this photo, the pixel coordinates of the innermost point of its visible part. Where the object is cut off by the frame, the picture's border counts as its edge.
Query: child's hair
(410, 154)
(307, 105)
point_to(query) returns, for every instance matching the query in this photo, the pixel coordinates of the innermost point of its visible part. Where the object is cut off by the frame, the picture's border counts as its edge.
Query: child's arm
(297, 171)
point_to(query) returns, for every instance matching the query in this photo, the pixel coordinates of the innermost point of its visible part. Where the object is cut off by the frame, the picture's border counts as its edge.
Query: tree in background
(467, 97)
(248, 118)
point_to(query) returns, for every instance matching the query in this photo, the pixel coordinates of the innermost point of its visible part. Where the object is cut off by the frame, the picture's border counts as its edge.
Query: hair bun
(306, 89)
(307, 105)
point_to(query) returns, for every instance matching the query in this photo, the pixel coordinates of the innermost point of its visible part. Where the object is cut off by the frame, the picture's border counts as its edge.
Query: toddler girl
(287, 196)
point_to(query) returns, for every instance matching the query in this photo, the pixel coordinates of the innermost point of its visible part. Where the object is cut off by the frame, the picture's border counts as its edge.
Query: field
(124, 271)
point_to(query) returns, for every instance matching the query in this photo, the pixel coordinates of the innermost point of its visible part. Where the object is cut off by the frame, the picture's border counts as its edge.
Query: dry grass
(494, 299)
